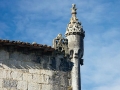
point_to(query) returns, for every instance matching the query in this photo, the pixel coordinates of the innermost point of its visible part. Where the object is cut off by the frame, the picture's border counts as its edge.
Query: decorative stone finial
(74, 26)
(74, 9)
(73, 12)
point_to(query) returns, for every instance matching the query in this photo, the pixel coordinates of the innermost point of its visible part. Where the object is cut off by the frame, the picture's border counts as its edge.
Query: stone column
(75, 73)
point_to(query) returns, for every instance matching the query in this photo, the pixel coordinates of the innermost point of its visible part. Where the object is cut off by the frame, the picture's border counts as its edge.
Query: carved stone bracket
(81, 61)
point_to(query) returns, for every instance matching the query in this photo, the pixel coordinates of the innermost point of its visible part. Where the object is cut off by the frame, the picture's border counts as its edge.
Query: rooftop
(26, 45)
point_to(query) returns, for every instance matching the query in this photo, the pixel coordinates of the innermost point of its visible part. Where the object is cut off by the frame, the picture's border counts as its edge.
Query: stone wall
(28, 71)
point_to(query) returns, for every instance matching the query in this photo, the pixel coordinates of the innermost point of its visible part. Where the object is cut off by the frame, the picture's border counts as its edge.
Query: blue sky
(41, 20)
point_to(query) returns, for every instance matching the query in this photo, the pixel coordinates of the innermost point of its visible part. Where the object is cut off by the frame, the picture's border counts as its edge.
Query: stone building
(32, 66)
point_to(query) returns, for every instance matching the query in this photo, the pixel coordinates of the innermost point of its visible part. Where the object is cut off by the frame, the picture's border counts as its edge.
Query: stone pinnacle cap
(74, 27)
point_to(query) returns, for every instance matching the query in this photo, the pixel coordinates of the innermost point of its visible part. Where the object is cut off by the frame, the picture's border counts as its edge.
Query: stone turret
(73, 48)
(75, 32)
(75, 35)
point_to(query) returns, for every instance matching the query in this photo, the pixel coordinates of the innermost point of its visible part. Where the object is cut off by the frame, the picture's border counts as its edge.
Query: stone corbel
(81, 61)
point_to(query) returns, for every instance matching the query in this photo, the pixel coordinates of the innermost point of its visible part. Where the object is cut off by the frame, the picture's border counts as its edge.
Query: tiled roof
(26, 44)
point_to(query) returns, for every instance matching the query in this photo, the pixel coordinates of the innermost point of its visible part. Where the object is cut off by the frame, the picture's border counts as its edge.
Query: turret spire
(74, 8)
(74, 26)
(75, 35)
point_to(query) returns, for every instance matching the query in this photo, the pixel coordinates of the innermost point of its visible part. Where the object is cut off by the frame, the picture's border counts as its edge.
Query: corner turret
(75, 35)
(73, 48)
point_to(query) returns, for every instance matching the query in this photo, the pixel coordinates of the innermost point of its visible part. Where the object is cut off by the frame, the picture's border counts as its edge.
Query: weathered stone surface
(46, 87)
(3, 89)
(9, 83)
(4, 55)
(16, 75)
(22, 57)
(34, 86)
(62, 80)
(2, 73)
(1, 82)
(37, 78)
(28, 77)
(19, 71)
(35, 71)
(56, 87)
(22, 85)
(8, 74)
(47, 72)
(61, 44)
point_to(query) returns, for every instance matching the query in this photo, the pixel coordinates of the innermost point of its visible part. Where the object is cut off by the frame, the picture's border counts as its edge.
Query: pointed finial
(73, 9)
(73, 12)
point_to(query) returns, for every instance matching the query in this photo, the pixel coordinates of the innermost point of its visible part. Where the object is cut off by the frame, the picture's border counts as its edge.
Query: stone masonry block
(3, 88)
(56, 87)
(37, 78)
(35, 71)
(34, 86)
(46, 87)
(47, 72)
(9, 83)
(62, 81)
(22, 85)
(45, 79)
(17, 75)
(1, 81)
(28, 77)
(63, 88)
(8, 74)
(2, 73)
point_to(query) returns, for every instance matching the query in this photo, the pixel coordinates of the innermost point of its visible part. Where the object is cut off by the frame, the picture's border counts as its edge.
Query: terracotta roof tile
(26, 44)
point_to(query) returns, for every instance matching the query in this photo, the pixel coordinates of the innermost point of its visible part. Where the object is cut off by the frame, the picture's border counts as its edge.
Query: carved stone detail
(74, 27)
(61, 44)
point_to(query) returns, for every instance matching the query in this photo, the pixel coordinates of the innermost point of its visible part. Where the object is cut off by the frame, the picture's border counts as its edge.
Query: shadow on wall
(31, 60)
